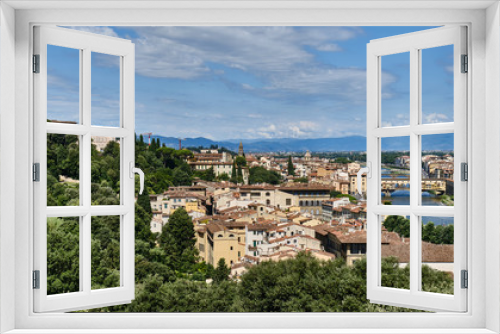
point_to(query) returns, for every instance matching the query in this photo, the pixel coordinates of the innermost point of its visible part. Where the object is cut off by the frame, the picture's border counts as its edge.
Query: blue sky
(251, 82)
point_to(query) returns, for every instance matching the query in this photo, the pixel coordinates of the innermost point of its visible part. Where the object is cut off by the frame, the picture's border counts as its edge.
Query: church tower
(240, 150)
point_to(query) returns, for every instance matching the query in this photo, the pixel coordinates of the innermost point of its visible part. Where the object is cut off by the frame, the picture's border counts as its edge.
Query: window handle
(133, 171)
(363, 170)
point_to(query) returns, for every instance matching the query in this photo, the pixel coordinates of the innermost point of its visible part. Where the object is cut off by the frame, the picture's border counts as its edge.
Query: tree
(234, 177)
(262, 175)
(428, 233)
(223, 177)
(181, 177)
(240, 175)
(342, 160)
(301, 180)
(144, 201)
(178, 240)
(352, 199)
(291, 169)
(222, 272)
(398, 224)
(240, 161)
(335, 193)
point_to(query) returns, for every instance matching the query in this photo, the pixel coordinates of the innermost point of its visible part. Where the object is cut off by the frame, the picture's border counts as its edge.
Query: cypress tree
(234, 178)
(291, 169)
(143, 200)
(222, 272)
(240, 175)
(177, 240)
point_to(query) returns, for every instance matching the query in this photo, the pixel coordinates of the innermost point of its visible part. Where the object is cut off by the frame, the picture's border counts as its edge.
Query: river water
(402, 197)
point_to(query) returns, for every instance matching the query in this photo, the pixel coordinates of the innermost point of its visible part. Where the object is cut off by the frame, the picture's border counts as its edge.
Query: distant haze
(351, 143)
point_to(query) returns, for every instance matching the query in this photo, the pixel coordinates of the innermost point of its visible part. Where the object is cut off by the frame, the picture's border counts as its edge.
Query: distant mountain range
(351, 143)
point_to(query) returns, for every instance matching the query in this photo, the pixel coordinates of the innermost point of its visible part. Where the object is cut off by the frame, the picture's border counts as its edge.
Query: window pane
(395, 240)
(105, 90)
(395, 182)
(63, 84)
(437, 84)
(395, 89)
(105, 252)
(437, 169)
(63, 170)
(437, 254)
(105, 172)
(63, 255)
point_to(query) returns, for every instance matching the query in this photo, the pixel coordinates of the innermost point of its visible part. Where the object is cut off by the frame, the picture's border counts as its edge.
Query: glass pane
(437, 254)
(105, 252)
(437, 169)
(105, 171)
(395, 89)
(63, 255)
(395, 183)
(395, 240)
(437, 84)
(63, 170)
(63, 84)
(105, 90)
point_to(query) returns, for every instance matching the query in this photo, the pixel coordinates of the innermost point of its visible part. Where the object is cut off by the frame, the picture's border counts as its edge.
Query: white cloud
(107, 31)
(184, 52)
(436, 118)
(348, 83)
(329, 48)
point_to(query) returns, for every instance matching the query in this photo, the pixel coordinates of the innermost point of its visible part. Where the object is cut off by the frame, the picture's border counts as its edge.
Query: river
(402, 197)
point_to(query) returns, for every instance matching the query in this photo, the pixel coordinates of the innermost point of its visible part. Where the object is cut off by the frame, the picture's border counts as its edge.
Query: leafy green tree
(428, 232)
(262, 175)
(207, 175)
(177, 240)
(291, 169)
(181, 177)
(448, 235)
(234, 177)
(352, 199)
(240, 161)
(301, 180)
(63, 255)
(240, 175)
(334, 193)
(398, 224)
(223, 177)
(222, 271)
(438, 234)
(342, 160)
(144, 201)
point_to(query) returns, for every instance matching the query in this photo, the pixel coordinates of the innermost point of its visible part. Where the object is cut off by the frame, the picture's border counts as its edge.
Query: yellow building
(216, 241)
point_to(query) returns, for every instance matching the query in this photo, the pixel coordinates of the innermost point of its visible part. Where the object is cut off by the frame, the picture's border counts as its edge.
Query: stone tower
(240, 150)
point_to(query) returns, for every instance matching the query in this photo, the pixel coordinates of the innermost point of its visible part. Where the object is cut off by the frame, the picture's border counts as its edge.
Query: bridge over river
(391, 184)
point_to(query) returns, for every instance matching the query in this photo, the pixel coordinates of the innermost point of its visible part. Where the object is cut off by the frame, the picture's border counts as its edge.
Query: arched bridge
(390, 185)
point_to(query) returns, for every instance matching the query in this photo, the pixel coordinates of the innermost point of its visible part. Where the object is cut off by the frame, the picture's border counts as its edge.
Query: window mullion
(86, 163)
(414, 169)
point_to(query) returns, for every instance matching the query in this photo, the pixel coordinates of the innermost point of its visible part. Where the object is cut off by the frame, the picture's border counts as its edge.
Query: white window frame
(414, 43)
(483, 21)
(86, 44)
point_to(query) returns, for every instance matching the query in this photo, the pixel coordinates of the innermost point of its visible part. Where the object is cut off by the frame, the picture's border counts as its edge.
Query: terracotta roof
(209, 163)
(259, 227)
(355, 237)
(214, 228)
(182, 194)
(399, 250)
(437, 253)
